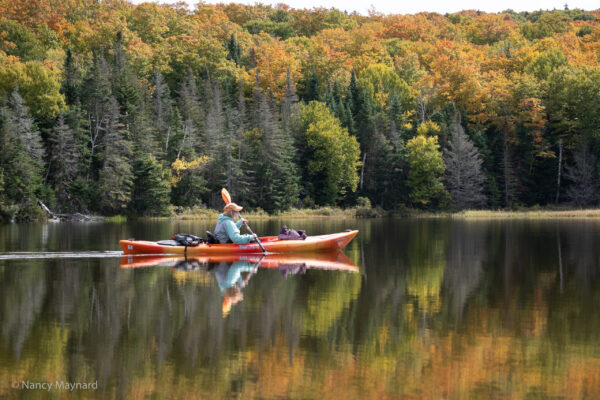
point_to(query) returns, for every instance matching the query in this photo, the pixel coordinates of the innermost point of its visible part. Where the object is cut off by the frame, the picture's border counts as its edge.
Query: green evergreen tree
(355, 97)
(125, 86)
(70, 87)
(583, 177)
(21, 158)
(161, 113)
(82, 189)
(63, 160)
(312, 90)
(116, 177)
(187, 123)
(96, 94)
(464, 176)
(143, 129)
(234, 50)
(215, 136)
(238, 183)
(151, 189)
(7, 211)
(275, 173)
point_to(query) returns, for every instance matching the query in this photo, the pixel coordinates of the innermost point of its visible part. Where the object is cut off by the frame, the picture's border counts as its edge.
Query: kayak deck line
(329, 242)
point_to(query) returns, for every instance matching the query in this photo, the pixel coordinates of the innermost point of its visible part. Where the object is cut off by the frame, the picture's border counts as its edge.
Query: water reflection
(233, 272)
(440, 309)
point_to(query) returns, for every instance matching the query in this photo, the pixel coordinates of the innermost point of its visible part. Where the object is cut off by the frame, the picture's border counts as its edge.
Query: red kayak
(334, 241)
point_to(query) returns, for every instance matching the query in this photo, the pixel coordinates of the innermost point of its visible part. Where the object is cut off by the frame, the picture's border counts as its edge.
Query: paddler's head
(232, 210)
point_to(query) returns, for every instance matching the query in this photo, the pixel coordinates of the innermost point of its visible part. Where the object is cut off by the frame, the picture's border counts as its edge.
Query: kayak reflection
(233, 272)
(285, 262)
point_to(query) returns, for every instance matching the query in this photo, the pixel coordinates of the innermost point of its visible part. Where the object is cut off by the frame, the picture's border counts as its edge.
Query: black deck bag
(185, 239)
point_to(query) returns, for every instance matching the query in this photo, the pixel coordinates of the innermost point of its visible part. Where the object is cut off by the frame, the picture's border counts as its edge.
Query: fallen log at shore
(68, 217)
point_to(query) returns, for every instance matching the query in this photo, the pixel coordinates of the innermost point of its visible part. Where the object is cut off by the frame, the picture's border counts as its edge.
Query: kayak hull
(335, 241)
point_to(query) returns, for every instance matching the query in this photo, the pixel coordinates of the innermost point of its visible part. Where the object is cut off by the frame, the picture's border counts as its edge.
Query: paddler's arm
(234, 234)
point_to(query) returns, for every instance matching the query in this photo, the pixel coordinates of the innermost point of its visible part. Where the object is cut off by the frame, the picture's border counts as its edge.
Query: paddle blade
(225, 195)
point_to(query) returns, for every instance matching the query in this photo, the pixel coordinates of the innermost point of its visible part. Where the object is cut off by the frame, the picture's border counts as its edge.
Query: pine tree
(215, 135)
(7, 212)
(276, 173)
(143, 129)
(191, 120)
(22, 123)
(125, 86)
(96, 96)
(21, 158)
(234, 50)
(161, 108)
(116, 177)
(82, 189)
(464, 176)
(238, 181)
(509, 178)
(63, 160)
(355, 97)
(70, 87)
(214, 126)
(583, 190)
(152, 190)
(313, 88)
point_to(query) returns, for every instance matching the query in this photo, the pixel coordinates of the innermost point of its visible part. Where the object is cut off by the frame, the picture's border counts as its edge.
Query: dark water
(437, 309)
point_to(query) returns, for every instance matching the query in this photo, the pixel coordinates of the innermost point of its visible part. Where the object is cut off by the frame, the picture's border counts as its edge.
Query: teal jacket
(227, 229)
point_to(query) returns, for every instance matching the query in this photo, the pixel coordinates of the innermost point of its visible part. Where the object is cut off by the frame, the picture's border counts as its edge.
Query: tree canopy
(128, 90)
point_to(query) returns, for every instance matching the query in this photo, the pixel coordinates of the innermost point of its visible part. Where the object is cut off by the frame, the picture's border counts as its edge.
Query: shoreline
(204, 214)
(364, 212)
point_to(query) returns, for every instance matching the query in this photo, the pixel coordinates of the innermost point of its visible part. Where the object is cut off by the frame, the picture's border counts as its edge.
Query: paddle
(227, 199)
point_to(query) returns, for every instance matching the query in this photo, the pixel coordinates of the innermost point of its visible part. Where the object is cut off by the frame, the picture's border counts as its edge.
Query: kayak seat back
(210, 238)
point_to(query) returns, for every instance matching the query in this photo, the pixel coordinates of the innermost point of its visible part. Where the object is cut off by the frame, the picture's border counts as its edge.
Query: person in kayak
(227, 230)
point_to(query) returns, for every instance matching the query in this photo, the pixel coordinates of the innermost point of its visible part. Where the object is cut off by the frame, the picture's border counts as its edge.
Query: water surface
(426, 309)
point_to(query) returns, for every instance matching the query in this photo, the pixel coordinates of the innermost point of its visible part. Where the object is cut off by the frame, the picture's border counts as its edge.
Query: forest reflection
(438, 309)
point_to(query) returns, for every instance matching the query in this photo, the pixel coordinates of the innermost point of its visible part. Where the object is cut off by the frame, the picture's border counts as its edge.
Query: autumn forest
(147, 110)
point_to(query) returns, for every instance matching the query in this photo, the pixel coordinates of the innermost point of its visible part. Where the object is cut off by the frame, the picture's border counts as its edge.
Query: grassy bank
(321, 212)
(528, 214)
(198, 213)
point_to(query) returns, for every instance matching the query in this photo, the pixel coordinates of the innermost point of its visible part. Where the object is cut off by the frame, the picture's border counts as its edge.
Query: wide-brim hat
(233, 207)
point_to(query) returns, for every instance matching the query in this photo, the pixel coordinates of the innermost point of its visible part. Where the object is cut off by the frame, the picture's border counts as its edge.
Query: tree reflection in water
(450, 309)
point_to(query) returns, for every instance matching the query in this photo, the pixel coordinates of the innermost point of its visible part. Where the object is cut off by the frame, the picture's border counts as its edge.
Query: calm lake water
(416, 309)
